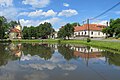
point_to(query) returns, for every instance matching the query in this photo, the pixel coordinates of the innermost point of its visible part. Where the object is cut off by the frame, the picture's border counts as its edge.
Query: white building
(91, 30)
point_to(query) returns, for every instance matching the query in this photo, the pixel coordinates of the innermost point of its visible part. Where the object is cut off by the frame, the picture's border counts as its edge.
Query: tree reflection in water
(42, 50)
(15, 51)
(112, 58)
(5, 54)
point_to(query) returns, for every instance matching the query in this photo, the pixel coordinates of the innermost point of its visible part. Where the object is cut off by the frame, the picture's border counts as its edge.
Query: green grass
(34, 40)
(102, 44)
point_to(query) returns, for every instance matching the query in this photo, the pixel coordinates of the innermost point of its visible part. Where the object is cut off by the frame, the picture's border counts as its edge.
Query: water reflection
(45, 51)
(42, 61)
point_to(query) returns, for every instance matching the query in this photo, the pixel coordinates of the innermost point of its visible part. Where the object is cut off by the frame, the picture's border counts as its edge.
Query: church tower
(19, 27)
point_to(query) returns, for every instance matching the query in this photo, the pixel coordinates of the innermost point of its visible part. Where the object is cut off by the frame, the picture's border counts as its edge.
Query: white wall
(96, 34)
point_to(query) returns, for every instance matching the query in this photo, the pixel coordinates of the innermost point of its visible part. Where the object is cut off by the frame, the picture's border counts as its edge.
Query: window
(98, 33)
(91, 33)
(78, 33)
(82, 33)
(85, 33)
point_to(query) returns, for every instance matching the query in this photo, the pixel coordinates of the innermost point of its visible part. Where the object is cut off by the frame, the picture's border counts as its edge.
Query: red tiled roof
(86, 55)
(93, 27)
(15, 30)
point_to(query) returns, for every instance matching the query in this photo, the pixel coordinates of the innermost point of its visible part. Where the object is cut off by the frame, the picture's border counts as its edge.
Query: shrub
(88, 40)
(118, 36)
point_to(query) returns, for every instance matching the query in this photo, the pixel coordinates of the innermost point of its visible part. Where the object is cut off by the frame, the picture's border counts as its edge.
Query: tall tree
(113, 29)
(13, 23)
(43, 30)
(66, 31)
(25, 32)
(75, 24)
(3, 24)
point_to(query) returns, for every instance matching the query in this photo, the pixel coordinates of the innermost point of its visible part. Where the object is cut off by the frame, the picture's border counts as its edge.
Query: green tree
(25, 32)
(75, 24)
(13, 23)
(3, 26)
(41, 31)
(66, 31)
(44, 30)
(113, 29)
(61, 33)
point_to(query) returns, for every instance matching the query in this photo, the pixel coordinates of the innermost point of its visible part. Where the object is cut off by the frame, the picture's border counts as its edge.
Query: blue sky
(57, 12)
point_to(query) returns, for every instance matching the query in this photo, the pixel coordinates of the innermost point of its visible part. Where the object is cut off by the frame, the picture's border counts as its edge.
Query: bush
(59, 41)
(88, 40)
(118, 36)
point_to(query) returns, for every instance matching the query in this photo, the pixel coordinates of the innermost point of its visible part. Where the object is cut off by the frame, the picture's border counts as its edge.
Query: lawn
(102, 44)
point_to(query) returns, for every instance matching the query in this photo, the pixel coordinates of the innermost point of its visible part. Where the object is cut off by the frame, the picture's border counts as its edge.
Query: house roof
(15, 30)
(93, 27)
(86, 55)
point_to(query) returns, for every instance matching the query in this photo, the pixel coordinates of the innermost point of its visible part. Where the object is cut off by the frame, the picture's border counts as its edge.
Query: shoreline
(115, 46)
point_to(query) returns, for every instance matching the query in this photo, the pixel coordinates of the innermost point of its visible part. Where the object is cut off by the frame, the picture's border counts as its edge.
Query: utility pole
(107, 32)
(88, 28)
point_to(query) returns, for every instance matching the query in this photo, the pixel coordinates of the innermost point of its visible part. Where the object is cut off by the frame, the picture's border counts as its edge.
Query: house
(89, 30)
(15, 32)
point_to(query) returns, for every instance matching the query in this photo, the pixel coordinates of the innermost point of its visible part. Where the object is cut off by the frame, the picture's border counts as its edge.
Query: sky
(58, 12)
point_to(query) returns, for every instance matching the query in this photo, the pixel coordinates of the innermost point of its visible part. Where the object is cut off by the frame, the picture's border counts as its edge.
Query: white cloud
(68, 67)
(6, 3)
(101, 22)
(10, 13)
(49, 13)
(37, 22)
(51, 20)
(66, 5)
(38, 13)
(68, 13)
(29, 22)
(36, 3)
(23, 13)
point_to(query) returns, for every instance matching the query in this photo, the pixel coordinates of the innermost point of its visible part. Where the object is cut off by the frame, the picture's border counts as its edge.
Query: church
(16, 32)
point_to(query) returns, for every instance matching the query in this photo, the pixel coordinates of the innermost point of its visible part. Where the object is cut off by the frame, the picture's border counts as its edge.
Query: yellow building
(16, 32)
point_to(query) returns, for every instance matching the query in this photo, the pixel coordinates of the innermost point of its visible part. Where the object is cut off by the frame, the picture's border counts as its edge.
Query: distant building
(93, 31)
(15, 32)
(53, 35)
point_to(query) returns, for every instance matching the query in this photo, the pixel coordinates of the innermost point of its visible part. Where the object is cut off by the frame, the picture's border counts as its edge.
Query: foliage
(29, 32)
(66, 31)
(41, 31)
(88, 40)
(113, 29)
(3, 26)
(75, 24)
(13, 23)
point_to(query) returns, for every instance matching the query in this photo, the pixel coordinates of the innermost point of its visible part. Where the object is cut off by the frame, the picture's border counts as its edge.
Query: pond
(37, 61)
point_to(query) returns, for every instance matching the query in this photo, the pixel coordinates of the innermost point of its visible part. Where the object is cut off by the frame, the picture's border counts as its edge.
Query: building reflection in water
(85, 52)
(16, 49)
(66, 50)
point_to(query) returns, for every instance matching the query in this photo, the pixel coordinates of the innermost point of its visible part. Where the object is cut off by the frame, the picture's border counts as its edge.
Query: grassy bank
(35, 40)
(102, 44)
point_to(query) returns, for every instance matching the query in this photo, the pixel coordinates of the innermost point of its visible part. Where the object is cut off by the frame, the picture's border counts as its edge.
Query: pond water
(36, 61)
